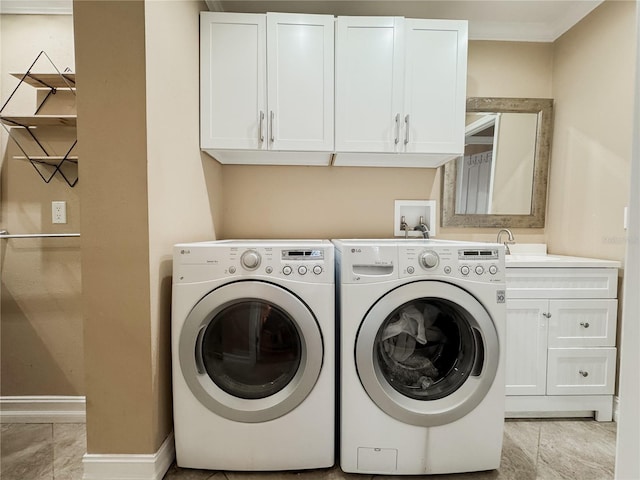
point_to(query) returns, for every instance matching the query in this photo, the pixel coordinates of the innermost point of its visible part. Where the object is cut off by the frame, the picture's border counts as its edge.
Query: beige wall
(138, 123)
(589, 177)
(183, 184)
(40, 312)
(509, 69)
(145, 185)
(115, 240)
(336, 202)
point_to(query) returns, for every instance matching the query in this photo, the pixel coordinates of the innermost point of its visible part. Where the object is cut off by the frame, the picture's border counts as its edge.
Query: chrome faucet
(404, 226)
(422, 227)
(510, 240)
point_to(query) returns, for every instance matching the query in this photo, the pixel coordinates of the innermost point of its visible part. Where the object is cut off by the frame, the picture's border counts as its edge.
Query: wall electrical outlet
(59, 212)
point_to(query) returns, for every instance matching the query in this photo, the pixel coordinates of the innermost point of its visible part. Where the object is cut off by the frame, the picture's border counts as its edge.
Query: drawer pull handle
(584, 324)
(583, 373)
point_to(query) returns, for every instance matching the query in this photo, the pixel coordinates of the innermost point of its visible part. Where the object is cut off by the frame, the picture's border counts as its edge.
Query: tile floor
(559, 449)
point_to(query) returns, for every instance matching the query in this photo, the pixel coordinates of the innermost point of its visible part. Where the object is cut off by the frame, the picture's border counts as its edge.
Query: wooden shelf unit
(47, 80)
(29, 121)
(48, 163)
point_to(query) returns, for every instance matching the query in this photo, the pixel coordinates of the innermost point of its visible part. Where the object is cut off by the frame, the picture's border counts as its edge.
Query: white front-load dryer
(253, 333)
(421, 331)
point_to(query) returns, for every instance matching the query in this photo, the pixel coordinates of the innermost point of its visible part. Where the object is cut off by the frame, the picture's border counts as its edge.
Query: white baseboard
(130, 466)
(42, 409)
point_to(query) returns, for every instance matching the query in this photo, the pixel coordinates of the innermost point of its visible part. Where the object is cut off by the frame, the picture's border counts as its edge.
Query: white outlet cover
(59, 212)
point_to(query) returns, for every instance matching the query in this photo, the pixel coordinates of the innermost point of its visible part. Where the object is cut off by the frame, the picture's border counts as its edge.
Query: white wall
(183, 183)
(628, 459)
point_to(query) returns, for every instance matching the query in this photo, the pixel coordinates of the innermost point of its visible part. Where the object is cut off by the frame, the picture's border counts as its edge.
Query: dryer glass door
(427, 353)
(250, 351)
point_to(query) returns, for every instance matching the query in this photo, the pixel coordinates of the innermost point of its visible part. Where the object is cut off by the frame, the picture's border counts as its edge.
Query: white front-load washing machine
(422, 328)
(253, 333)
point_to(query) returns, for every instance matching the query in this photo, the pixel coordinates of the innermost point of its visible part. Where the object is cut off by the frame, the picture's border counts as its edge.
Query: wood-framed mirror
(501, 181)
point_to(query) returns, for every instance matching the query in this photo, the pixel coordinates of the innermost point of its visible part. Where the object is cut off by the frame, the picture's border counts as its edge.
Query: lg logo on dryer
(356, 250)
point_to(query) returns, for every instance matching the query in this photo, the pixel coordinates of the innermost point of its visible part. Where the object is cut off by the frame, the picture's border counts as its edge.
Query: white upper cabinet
(435, 86)
(300, 52)
(233, 53)
(267, 84)
(369, 83)
(400, 88)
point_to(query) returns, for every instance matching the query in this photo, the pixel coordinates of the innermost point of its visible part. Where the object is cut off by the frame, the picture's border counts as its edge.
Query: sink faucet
(422, 227)
(510, 240)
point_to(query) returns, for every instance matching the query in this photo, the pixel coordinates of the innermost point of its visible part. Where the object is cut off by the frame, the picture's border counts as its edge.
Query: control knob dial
(250, 259)
(429, 259)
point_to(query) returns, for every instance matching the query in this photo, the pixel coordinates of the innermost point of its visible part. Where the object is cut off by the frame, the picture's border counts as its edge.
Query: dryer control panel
(474, 262)
(307, 261)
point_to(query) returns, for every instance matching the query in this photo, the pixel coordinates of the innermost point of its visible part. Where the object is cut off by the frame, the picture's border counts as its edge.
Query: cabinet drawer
(581, 371)
(562, 282)
(582, 323)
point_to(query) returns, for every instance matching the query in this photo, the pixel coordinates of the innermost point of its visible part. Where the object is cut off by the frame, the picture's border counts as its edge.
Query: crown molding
(36, 7)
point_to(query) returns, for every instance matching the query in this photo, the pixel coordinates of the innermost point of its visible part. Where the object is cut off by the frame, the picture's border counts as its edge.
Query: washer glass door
(427, 353)
(250, 351)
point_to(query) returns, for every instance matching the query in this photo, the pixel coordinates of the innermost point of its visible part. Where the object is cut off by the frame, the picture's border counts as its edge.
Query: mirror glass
(501, 181)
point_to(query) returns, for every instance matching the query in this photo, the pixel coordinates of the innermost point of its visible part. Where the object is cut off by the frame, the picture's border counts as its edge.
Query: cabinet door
(232, 80)
(526, 347)
(435, 85)
(582, 323)
(369, 83)
(300, 52)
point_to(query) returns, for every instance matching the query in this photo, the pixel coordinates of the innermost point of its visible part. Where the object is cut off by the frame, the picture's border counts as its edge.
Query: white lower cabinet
(560, 352)
(526, 347)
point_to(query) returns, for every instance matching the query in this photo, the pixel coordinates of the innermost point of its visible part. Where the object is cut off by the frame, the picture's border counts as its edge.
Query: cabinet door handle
(397, 140)
(546, 315)
(271, 115)
(584, 373)
(406, 136)
(260, 127)
(584, 324)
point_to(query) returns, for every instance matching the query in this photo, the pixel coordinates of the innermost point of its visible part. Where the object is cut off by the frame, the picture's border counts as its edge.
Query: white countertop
(525, 260)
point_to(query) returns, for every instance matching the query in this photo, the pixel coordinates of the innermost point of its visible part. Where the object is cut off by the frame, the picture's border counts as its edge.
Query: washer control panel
(475, 263)
(310, 262)
(303, 262)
